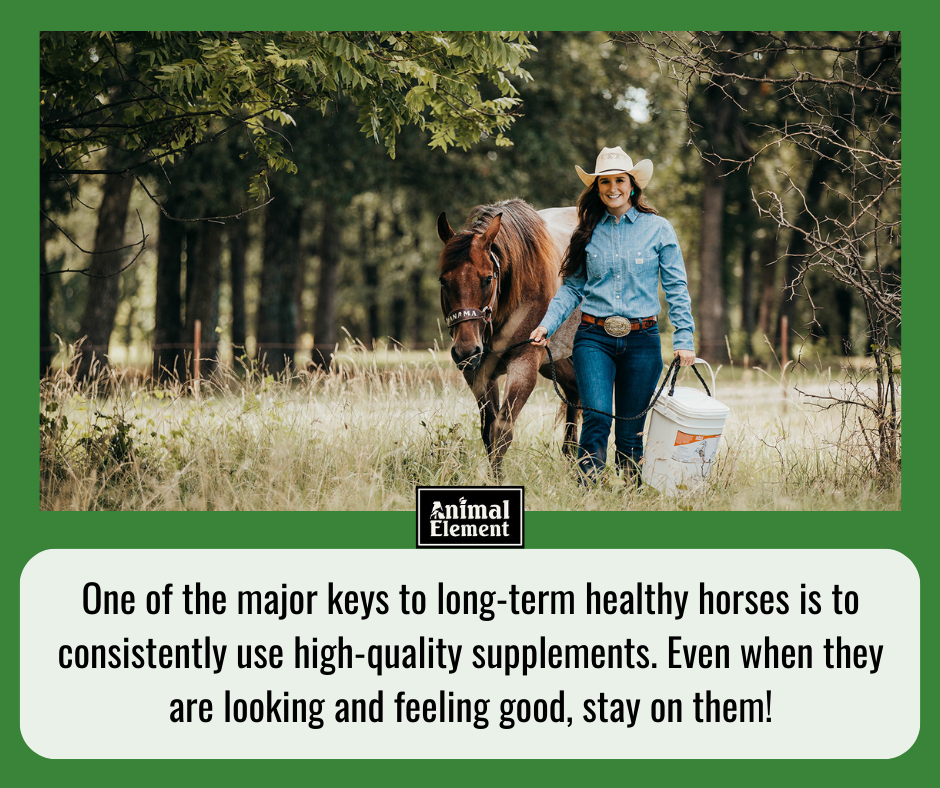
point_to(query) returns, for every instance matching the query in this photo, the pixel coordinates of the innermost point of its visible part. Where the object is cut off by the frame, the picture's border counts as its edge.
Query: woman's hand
(539, 336)
(686, 357)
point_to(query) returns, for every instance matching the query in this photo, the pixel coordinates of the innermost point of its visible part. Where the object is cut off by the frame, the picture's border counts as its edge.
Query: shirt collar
(631, 215)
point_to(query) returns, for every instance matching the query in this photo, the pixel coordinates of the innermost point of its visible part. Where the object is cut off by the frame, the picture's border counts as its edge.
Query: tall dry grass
(364, 435)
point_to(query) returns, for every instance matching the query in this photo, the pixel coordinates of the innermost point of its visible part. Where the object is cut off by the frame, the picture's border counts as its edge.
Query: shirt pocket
(642, 265)
(596, 268)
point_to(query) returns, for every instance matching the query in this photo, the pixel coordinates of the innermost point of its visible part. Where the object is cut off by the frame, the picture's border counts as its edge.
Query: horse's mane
(524, 247)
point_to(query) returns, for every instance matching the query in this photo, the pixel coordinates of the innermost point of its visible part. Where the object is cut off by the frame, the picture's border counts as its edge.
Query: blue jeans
(616, 375)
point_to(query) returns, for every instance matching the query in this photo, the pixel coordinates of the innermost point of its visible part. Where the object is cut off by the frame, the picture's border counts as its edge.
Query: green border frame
(30, 531)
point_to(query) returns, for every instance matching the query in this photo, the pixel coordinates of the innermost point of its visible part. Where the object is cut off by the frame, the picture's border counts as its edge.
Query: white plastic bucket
(684, 432)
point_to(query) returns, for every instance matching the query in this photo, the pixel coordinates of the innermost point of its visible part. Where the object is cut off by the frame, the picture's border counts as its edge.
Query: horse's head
(470, 274)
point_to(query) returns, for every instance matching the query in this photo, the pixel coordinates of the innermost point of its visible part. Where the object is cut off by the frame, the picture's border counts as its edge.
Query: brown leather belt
(635, 325)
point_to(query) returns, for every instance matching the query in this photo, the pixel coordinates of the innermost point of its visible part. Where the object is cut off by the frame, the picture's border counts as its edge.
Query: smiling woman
(615, 192)
(618, 255)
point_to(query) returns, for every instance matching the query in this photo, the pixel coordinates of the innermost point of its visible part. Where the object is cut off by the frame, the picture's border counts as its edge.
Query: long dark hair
(591, 210)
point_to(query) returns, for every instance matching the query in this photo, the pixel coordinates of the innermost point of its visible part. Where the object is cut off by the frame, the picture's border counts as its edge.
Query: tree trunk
(798, 248)
(398, 307)
(300, 283)
(417, 291)
(129, 289)
(168, 354)
(202, 298)
(748, 229)
(104, 285)
(190, 240)
(843, 298)
(711, 307)
(46, 349)
(277, 325)
(833, 302)
(324, 321)
(710, 325)
(369, 233)
(768, 289)
(238, 247)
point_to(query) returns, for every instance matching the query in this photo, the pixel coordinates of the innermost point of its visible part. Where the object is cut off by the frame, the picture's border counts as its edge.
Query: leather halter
(485, 313)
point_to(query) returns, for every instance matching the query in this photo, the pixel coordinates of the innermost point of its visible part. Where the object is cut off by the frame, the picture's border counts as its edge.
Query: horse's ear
(443, 228)
(490, 235)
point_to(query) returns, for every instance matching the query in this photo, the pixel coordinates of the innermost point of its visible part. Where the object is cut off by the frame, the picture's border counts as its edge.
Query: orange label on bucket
(682, 438)
(695, 448)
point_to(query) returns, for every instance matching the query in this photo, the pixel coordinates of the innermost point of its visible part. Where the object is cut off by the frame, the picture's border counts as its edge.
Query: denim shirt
(625, 263)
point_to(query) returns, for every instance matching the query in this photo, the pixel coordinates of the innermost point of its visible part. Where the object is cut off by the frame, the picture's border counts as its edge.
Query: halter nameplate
(461, 315)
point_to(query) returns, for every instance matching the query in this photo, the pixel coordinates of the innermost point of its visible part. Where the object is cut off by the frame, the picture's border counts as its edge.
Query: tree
(107, 263)
(168, 353)
(161, 93)
(45, 284)
(276, 332)
(836, 143)
(152, 96)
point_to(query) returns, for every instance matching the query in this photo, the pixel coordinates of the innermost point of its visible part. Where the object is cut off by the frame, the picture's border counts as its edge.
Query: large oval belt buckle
(617, 326)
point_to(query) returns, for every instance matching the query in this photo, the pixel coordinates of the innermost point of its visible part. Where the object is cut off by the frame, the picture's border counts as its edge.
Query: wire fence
(259, 347)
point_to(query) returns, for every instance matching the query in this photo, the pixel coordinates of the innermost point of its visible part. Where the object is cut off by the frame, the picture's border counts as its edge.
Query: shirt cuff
(682, 340)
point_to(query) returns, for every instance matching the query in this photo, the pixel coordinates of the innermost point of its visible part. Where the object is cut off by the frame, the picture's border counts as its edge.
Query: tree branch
(142, 243)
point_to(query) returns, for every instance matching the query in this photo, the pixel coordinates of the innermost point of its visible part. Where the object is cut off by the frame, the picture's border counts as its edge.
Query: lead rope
(673, 368)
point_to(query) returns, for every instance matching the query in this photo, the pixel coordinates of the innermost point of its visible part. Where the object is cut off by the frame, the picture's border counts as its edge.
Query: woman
(620, 252)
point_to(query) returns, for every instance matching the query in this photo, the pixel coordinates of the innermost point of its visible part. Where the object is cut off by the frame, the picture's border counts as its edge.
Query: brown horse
(497, 278)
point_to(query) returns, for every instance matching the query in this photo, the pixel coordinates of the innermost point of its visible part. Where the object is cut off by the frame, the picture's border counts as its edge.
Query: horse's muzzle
(467, 360)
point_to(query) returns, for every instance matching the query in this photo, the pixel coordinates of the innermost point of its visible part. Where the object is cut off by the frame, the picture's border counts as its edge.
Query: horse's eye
(441, 280)
(488, 281)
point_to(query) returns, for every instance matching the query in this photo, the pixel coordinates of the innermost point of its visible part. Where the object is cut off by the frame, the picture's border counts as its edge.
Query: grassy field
(363, 436)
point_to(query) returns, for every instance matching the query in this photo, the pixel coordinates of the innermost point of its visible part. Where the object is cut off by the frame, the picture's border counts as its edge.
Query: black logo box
(457, 523)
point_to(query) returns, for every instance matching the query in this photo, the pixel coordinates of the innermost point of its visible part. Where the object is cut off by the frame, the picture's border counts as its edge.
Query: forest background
(343, 244)
(293, 180)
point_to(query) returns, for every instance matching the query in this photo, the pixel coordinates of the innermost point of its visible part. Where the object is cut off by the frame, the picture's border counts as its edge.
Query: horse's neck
(531, 308)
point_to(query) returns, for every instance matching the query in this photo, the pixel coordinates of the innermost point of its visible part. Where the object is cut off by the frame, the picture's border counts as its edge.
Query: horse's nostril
(471, 360)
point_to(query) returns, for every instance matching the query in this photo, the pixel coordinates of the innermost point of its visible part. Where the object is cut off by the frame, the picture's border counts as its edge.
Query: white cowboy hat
(612, 160)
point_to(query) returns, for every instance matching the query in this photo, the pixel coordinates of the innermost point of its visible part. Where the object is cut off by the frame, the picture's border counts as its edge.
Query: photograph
(313, 270)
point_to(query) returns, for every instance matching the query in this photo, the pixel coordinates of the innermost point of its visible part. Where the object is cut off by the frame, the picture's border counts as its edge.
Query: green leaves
(155, 93)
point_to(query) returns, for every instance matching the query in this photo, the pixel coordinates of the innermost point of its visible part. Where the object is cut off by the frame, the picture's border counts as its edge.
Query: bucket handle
(675, 375)
(710, 372)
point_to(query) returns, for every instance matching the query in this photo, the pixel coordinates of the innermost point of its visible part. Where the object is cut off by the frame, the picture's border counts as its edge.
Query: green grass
(382, 422)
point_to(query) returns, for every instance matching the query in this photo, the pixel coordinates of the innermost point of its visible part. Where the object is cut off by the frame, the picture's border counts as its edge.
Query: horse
(497, 277)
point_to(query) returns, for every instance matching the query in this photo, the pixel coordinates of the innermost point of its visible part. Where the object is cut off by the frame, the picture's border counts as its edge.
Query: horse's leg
(486, 390)
(522, 373)
(564, 373)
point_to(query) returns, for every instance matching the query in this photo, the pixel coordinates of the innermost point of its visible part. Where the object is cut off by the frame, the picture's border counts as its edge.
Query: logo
(470, 516)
